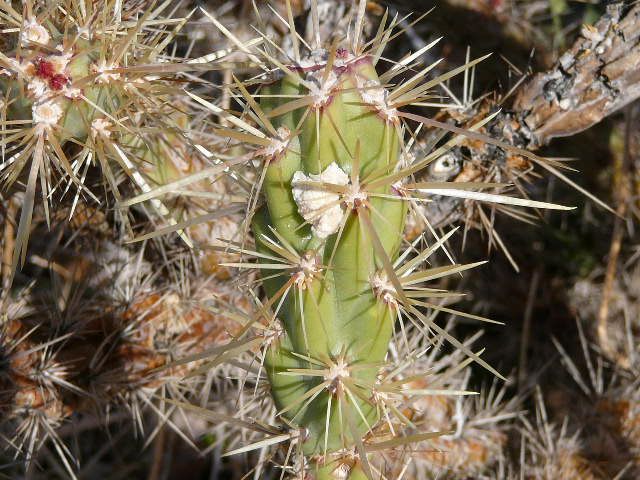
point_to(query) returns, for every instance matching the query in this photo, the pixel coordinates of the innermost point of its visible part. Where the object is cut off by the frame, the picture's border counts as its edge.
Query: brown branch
(596, 77)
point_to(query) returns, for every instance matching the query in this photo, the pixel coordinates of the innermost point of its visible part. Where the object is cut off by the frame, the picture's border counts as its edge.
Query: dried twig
(612, 266)
(597, 76)
(623, 193)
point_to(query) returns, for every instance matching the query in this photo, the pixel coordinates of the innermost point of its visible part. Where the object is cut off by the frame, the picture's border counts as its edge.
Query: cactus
(550, 451)
(77, 90)
(336, 185)
(107, 345)
(319, 202)
(89, 113)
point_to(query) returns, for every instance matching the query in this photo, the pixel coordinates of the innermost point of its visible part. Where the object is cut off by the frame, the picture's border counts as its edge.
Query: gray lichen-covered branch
(596, 77)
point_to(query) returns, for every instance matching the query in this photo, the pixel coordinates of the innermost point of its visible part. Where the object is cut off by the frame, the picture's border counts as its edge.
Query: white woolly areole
(278, 144)
(100, 127)
(72, 93)
(354, 196)
(383, 288)
(336, 373)
(314, 58)
(273, 332)
(317, 205)
(32, 31)
(375, 95)
(308, 267)
(47, 114)
(320, 89)
(104, 76)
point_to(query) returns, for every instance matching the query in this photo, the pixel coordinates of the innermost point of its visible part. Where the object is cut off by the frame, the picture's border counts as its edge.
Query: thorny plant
(90, 111)
(606, 409)
(89, 85)
(335, 177)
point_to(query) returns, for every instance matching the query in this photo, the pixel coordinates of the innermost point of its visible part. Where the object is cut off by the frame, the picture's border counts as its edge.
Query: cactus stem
(335, 181)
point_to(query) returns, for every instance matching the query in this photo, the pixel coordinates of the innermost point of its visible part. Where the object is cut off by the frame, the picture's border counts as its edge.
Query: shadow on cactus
(333, 189)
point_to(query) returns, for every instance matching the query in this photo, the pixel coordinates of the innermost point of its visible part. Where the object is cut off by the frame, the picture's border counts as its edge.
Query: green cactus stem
(337, 328)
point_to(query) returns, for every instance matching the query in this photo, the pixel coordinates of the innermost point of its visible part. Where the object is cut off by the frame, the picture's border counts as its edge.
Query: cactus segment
(52, 99)
(79, 91)
(324, 367)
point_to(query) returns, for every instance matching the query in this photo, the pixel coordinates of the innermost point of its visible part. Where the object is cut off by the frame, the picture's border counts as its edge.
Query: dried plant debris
(590, 81)
(594, 78)
(604, 413)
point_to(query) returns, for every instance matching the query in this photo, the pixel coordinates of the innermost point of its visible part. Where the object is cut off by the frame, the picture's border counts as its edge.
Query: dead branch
(596, 77)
